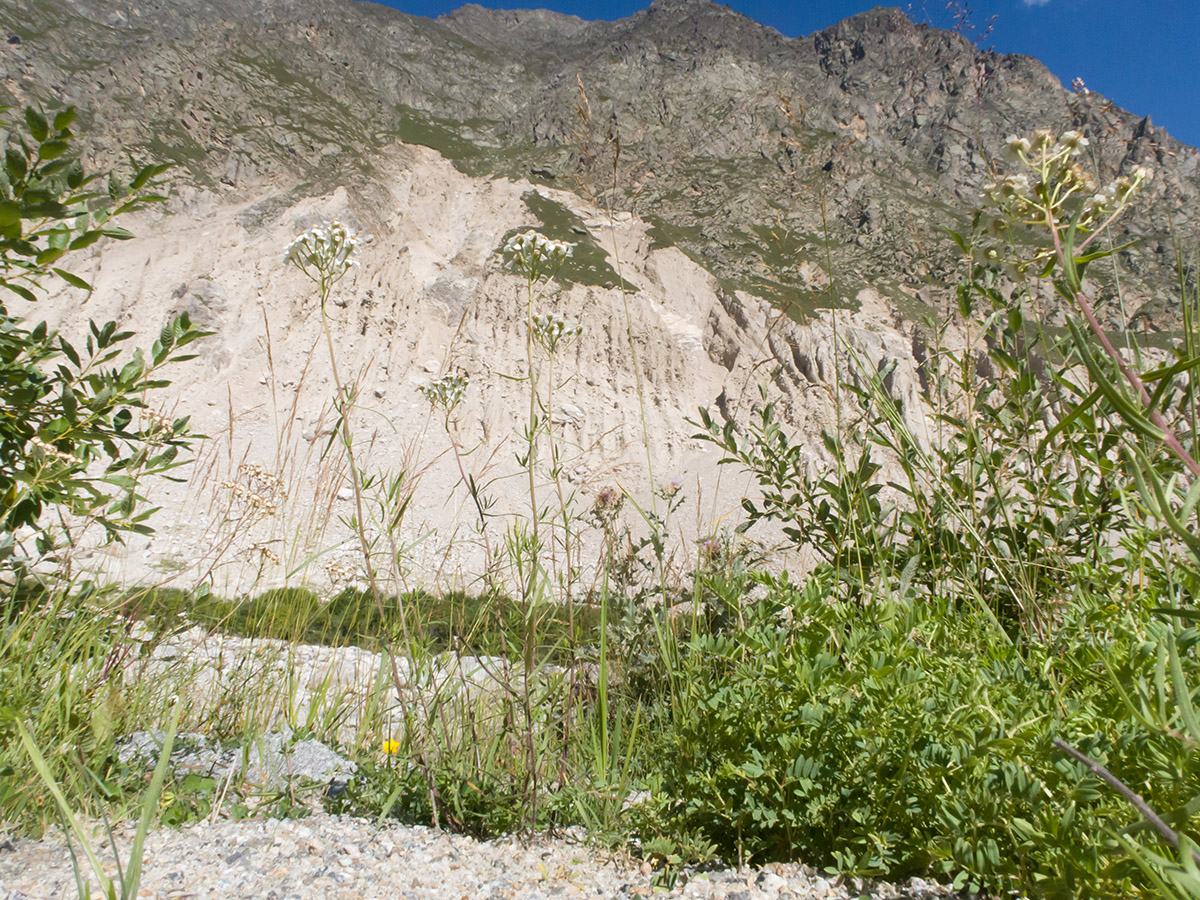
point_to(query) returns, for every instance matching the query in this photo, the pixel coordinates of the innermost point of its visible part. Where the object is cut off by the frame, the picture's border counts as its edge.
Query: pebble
(335, 857)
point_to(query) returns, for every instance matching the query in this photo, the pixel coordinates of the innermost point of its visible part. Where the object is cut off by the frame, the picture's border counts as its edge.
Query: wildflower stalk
(324, 255)
(1063, 198)
(553, 333)
(445, 394)
(537, 258)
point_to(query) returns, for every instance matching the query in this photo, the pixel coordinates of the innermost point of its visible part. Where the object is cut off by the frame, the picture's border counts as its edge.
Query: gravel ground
(346, 858)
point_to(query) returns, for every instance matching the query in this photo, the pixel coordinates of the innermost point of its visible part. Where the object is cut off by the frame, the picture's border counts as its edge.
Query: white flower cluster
(447, 392)
(1054, 178)
(324, 252)
(535, 255)
(1116, 194)
(1045, 144)
(552, 331)
(1052, 189)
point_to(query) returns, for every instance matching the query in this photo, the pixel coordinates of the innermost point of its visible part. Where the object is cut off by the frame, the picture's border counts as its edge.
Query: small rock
(770, 882)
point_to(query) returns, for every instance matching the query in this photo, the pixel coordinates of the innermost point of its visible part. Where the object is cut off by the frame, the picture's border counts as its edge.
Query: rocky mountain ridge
(890, 127)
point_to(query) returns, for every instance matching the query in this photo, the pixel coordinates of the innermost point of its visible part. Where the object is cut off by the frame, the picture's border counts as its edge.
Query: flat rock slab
(275, 761)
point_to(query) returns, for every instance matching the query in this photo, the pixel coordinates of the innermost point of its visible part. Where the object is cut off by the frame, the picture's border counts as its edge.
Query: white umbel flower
(325, 253)
(553, 332)
(535, 255)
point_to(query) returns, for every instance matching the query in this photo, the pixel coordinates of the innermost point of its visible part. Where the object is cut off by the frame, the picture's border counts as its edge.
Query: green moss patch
(588, 263)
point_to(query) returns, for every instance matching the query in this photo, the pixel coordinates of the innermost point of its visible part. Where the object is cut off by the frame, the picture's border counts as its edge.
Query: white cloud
(1035, 2)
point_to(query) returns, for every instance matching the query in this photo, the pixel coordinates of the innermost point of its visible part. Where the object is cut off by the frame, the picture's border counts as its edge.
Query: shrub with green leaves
(1021, 578)
(895, 738)
(77, 435)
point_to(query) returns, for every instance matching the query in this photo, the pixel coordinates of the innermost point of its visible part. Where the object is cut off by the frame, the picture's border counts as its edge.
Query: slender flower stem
(364, 546)
(532, 429)
(323, 254)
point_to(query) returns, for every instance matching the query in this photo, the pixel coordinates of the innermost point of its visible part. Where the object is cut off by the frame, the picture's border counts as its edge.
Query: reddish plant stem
(1169, 437)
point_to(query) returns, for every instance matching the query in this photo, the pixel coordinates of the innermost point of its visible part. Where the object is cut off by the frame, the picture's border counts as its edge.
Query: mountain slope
(892, 130)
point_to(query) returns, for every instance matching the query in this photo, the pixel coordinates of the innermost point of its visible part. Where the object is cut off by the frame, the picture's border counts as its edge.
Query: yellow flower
(390, 747)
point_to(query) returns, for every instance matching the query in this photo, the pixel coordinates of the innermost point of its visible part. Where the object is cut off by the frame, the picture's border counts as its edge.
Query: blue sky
(1144, 54)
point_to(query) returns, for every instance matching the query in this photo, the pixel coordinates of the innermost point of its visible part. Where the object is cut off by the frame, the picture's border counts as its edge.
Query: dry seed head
(607, 506)
(49, 453)
(1081, 178)
(263, 549)
(552, 331)
(340, 574)
(156, 421)
(447, 392)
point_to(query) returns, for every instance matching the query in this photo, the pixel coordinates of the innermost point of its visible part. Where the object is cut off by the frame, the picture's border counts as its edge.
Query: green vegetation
(999, 627)
(414, 126)
(473, 623)
(588, 263)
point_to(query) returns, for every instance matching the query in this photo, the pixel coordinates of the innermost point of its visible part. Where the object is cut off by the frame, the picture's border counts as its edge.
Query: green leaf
(22, 292)
(43, 208)
(64, 119)
(39, 129)
(67, 350)
(75, 177)
(72, 280)
(133, 876)
(50, 255)
(47, 776)
(70, 404)
(10, 214)
(52, 149)
(1183, 691)
(147, 173)
(86, 239)
(59, 237)
(116, 232)
(53, 168)
(14, 164)
(956, 237)
(166, 337)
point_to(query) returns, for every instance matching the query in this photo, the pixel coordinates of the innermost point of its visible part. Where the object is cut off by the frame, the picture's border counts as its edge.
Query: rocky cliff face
(733, 193)
(892, 126)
